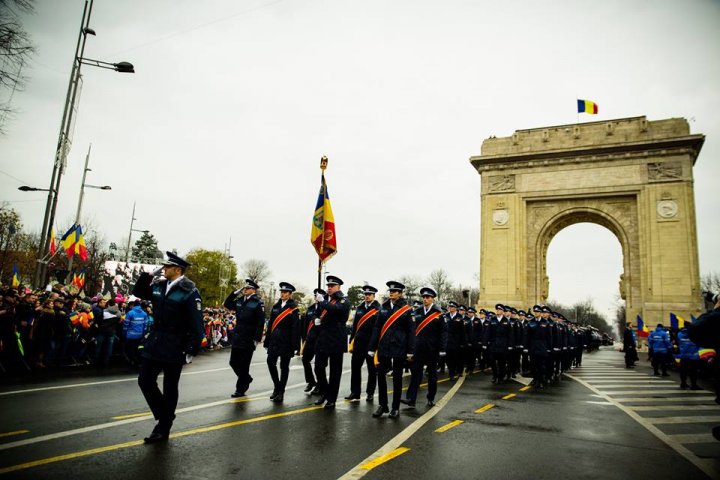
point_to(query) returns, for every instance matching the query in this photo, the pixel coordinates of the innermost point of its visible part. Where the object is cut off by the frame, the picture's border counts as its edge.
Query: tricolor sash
(361, 322)
(310, 327)
(281, 317)
(393, 318)
(425, 322)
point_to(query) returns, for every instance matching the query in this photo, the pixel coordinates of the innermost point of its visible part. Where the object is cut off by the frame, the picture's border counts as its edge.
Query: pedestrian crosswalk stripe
(675, 420)
(694, 438)
(656, 392)
(679, 398)
(448, 426)
(485, 408)
(684, 407)
(385, 458)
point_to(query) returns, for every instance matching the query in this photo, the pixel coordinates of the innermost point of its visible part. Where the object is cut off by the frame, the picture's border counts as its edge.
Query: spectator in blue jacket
(134, 330)
(660, 349)
(689, 360)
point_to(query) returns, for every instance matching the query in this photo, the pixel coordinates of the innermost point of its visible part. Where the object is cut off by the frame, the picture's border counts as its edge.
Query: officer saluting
(282, 339)
(249, 323)
(173, 341)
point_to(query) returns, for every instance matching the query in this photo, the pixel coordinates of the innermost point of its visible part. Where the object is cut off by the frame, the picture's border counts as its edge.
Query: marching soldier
(173, 341)
(486, 359)
(539, 347)
(309, 335)
(467, 358)
(475, 341)
(366, 315)
(500, 342)
(248, 331)
(430, 344)
(392, 343)
(332, 340)
(282, 339)
(456, 341)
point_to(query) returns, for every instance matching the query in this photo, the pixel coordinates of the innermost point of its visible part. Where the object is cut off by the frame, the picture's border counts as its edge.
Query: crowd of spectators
(54, 328)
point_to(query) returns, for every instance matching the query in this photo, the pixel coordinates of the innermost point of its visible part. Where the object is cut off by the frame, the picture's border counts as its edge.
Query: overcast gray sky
(220, 131)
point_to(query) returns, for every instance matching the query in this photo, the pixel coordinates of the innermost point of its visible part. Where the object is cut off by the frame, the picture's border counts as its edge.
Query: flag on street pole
(676, 321)
(68, 241)
(53, 244)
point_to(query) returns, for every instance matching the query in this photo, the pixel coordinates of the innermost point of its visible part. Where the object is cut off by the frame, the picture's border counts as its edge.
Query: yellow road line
(120, 446)
(385, 458)
(17, 432)
(485, 408)
(132, 415)
(450, 425)
(525, 389)
(508, 396)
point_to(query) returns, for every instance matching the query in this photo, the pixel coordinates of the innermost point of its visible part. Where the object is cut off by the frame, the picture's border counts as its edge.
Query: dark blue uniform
(392, 349)
(249, 323)
(331, 345)
(429, 343)
(360, 340)
(177, 332)
(282, 340)
(500, 345)
(455, 343)
(309, 334)
(539, 347)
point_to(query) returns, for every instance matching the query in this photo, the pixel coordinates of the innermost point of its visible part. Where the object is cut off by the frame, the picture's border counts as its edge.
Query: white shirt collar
(173, 283)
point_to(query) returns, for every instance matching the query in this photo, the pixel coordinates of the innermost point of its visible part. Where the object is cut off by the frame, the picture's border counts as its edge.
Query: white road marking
(656, 392)
(706, 466)
(676, 420)
(409, 431)
(708, 399)
(659, 408)
(102, 426)
(694, 438)
(599, 403)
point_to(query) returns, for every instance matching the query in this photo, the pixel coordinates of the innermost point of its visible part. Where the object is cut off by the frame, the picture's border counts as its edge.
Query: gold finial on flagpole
(323, 163)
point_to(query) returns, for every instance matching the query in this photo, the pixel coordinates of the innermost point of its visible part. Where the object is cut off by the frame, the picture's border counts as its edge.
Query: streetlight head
(124, 67)
(25, 188)
(88, 31)
(106, 187)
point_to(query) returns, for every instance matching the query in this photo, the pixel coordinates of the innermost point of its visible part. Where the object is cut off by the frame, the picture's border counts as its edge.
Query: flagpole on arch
(323, 166)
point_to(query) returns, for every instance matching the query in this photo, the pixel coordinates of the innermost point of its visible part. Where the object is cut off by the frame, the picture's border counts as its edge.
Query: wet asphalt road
(94, 429)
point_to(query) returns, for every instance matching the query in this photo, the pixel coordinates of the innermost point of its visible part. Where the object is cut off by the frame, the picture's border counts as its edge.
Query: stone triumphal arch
(630, 175)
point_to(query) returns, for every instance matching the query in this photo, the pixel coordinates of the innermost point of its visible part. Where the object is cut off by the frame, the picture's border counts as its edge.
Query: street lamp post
(82, 196)
(63, 145)
(132, 221)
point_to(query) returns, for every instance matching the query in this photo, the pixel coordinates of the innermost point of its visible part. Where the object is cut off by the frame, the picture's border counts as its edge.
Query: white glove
(442, 354)
(317, 322)
(556, 349)
(484, 347)
(256, 343)
(525, 350)
(319, 297)
(371, 354)
(188, 358)
(409, 356)
(509, 348)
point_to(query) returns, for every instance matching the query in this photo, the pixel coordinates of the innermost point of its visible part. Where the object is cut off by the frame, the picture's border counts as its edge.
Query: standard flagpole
(323, 166)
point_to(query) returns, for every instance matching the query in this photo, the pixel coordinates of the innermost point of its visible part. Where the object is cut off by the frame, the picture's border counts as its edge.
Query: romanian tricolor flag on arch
(322, 234)
(587, 106)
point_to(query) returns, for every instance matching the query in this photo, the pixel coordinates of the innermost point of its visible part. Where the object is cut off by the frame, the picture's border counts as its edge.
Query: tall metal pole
(132, 220)
(323, 166)
(61, 150)
(80, 200)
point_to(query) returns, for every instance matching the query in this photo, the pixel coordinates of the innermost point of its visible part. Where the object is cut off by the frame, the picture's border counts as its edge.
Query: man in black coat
(332, 340)
(629, 346)
(456, 340)
(309, 334)
(430, 344)
(366, 315)
(539, 347)
(173, 341)
(282, 339)
(500, 342)
(249, 323)
(394, 342)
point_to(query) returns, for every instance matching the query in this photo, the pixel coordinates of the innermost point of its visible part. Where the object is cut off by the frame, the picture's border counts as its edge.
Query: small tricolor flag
(676, 321)
(641, 328)
(705, 353)
(587, 106)
(322, 233)
(15, 277)
(74, 243)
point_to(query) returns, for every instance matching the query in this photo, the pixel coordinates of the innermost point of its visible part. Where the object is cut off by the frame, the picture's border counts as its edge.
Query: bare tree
(412, 284)
(15, 49)
(256, 270)
(438, 280)
(710, 282)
